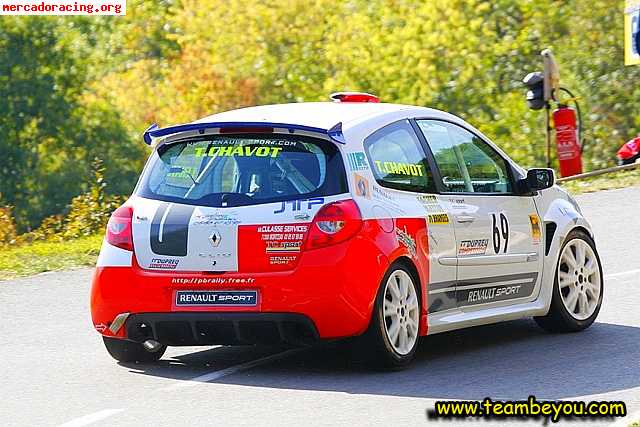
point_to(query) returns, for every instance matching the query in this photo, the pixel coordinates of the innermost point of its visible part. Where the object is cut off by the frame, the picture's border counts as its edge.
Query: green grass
(608, 181)
(38, 257)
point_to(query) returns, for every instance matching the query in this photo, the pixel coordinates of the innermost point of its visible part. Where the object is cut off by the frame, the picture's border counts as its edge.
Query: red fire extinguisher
(569, 148)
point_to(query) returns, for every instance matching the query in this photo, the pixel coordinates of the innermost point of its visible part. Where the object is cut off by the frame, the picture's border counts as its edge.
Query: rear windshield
(240, 170)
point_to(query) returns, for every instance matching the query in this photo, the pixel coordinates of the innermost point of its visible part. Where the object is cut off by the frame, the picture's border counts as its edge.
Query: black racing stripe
(441, 285)
(442, 301)
(482, 294)
(493, 279)
(175, 230)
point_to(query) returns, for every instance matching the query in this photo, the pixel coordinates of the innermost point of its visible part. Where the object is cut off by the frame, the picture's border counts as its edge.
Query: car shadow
(510, 360)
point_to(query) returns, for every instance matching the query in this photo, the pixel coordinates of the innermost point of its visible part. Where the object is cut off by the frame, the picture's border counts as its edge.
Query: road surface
(54, 369)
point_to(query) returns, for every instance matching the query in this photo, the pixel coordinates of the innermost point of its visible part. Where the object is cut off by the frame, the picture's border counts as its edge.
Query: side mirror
(540, 178)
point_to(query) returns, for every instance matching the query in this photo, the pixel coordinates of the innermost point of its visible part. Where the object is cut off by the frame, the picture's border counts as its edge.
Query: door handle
(465, 218)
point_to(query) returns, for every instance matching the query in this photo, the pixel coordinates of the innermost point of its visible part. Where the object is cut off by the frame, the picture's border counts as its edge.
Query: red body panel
(334, 286)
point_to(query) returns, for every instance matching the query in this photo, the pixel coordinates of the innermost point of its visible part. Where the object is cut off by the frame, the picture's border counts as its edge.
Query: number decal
(500, 232)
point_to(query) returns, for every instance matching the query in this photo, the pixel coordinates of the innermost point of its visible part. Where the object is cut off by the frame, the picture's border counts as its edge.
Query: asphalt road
(54, 369)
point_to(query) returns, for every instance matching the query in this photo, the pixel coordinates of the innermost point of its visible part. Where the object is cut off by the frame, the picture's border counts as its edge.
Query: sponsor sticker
(405, 239)
(430, 204)
(362, 186)
(298, 205)
(279, 247)
(216, 298)
(493, 294)
(441, 218)
(217, 218)
(399, 168)
(213, 280)
(357, 161)
(237, 151)
(535, 229)
(473, 247)
(457, 203)
(279, 239)
(164, 263)
(281, 260)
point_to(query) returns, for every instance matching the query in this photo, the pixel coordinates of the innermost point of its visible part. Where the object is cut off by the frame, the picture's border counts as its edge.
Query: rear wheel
(129, 351)
(392, 337)
(578, 286)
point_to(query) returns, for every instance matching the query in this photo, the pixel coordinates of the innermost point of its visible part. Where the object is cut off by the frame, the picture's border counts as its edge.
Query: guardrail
(598, 172)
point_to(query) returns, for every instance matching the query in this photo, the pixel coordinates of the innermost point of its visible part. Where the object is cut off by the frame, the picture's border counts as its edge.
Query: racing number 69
(501, 233)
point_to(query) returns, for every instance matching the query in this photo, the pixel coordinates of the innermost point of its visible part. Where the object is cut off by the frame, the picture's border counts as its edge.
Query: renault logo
(215, 238)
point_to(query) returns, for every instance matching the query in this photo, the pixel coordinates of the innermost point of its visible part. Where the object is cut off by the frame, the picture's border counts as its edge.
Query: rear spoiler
(153, 132)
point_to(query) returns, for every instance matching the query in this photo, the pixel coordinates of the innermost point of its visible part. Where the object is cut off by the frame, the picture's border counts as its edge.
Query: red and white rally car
(302, 222)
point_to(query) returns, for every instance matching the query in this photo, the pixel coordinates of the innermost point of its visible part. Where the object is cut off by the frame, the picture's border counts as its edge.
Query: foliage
(87, 214)
(39, 256)
(7, 227)
(50, 124)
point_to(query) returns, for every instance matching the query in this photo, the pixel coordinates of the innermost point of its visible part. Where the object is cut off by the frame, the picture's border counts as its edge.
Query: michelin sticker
(441, 218)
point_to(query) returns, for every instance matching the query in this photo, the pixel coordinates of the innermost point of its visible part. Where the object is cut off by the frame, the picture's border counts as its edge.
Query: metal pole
(548, 125)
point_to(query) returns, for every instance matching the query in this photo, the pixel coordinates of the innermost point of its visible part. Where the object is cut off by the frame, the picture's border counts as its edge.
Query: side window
(398, 160)
(466, 163)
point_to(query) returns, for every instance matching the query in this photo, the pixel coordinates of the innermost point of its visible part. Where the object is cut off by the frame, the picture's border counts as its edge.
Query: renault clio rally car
(311, 221)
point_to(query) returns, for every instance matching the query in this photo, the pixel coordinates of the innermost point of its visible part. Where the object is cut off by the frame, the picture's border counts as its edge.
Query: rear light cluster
(119, 231)
(334, 223)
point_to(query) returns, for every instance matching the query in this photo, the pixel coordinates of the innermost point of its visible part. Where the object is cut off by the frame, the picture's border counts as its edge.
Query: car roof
(322, 115)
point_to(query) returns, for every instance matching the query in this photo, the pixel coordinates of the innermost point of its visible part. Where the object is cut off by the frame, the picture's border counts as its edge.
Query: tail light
(334, 223)
(119, 232)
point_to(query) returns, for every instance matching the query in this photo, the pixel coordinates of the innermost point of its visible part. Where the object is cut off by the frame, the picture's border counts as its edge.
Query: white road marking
(91, 418)
(624, 273)
(216, 375)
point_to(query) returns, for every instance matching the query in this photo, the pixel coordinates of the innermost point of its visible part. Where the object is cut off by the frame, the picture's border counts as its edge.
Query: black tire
(559, 319)
(375, 345)
(129, 351)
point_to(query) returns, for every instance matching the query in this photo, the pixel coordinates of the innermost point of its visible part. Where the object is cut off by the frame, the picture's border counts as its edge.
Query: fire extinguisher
(567, 130)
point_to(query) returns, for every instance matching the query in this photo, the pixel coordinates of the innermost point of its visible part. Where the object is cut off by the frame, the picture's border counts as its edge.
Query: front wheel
(129, 351)
(392, 337)
(577, 288)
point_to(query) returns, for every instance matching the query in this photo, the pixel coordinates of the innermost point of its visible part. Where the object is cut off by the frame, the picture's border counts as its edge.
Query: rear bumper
(332, 288)
(179, 329)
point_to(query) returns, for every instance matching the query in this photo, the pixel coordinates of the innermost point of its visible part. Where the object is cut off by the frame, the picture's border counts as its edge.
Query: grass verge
(38, 257)
(627, 178)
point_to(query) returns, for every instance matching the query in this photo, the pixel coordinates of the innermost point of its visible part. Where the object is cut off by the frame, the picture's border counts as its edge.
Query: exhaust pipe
(151, 345)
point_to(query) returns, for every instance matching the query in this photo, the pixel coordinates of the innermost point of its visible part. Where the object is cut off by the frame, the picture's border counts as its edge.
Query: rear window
(240, 170)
